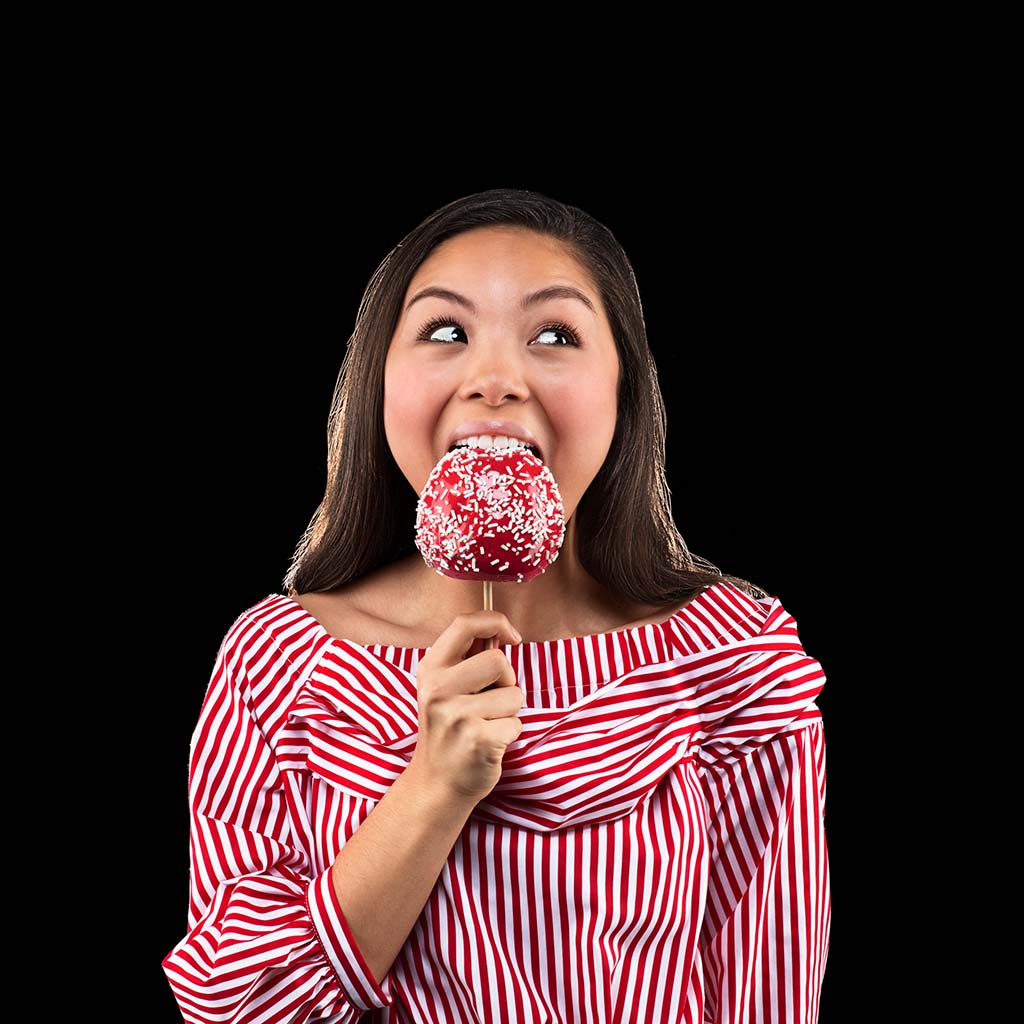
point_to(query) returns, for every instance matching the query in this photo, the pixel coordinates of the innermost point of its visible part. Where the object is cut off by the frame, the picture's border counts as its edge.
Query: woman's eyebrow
(555, 291)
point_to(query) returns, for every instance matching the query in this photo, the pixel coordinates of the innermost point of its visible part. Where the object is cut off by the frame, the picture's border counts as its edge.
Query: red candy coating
(490, 514)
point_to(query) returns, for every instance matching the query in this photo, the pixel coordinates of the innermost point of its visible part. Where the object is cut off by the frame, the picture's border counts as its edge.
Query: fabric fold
(593, 761)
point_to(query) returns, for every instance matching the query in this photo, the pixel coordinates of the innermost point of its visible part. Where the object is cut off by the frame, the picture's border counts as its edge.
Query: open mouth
(512, 445)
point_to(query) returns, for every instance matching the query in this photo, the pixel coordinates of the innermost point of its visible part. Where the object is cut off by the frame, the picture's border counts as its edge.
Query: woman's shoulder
(363, 610)
(635, 615)
(341, 614)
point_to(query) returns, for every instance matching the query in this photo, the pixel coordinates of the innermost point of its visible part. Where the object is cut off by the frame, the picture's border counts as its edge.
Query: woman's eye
(449, 334)
(570, 340)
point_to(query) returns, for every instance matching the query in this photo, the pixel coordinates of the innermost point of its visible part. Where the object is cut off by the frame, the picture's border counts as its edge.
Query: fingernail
(518, 636)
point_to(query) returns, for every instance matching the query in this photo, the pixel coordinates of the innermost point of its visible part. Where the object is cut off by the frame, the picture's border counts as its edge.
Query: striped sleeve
(764, 940)
(267, 940)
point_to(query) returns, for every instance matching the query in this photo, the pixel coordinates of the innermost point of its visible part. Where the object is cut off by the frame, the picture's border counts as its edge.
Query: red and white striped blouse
(654, 850)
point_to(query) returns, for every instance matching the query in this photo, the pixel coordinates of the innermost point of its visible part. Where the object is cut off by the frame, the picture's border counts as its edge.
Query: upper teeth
(492, 441)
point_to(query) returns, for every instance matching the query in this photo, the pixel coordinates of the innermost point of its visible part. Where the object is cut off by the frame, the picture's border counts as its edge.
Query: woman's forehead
(498, 268)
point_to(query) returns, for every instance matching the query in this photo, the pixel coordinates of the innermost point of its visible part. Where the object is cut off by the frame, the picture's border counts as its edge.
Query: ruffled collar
(556, 673)
(606, 716)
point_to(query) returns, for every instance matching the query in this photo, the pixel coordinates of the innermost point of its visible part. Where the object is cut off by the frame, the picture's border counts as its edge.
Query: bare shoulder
(334, 611)
(649, 615)
(361, 611)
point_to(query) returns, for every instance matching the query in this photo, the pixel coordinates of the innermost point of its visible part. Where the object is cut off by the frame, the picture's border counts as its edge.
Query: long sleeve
(266, 938)
(764, 941)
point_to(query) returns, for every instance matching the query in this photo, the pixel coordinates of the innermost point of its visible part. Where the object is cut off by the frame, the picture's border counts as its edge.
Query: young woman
(617, 813)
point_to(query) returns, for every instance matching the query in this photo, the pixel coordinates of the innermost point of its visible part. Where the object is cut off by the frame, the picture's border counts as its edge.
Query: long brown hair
(626, 536)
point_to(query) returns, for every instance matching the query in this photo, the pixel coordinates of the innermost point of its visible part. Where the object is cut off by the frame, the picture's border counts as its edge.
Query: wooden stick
(491, 641)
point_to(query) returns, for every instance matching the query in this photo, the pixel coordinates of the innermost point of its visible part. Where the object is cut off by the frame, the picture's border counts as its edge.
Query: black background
(753, 286)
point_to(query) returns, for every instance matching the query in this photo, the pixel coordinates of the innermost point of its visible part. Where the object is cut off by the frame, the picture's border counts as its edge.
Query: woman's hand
(469, 701)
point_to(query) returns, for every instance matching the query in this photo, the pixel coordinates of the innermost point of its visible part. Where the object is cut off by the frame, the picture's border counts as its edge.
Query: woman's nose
(494, 374)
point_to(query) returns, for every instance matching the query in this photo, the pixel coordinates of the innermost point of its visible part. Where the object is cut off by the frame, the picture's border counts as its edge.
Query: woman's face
(498, 356)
